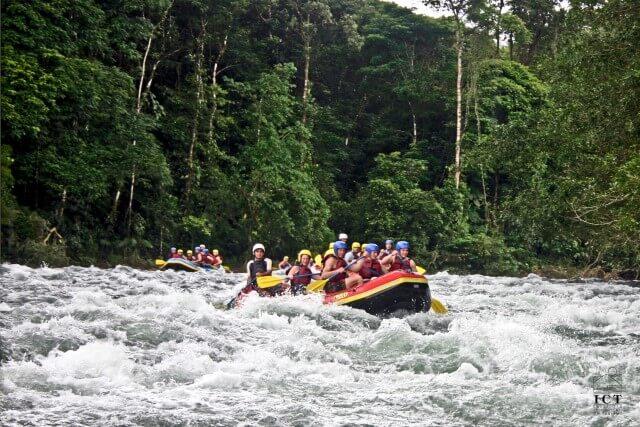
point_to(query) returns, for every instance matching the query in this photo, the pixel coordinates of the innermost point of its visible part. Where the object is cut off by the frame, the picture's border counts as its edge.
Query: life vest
(370, 268)
(176, 255)
(208, 259)
(217, 260)
(257, 266)
(200, 257)
(190, 258)
(305, 271)
(401, 264)
(340, 263)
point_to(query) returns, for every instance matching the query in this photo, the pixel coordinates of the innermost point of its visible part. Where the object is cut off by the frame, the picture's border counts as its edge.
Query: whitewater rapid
(89, 346)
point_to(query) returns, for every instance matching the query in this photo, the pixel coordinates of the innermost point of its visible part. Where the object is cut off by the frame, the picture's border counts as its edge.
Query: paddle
(271, 281)
(436, 305)
(268, 281)
(319, 285)
(160, 262)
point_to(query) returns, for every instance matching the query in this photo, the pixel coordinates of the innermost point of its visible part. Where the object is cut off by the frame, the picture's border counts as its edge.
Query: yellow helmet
(215, 252)
(304, 252)
(355, 245)
(180, 251)
(189, 252)
(318, 259)
(331, 246)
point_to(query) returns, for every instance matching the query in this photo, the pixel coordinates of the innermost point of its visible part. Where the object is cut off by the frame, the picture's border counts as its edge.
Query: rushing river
(87, 346)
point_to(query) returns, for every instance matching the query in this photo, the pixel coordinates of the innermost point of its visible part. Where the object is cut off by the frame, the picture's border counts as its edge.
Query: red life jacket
(200, 257)
(370, 268)
(175, 255)
(303, 271)
(209, 259)
(340, 263)
(401, 264)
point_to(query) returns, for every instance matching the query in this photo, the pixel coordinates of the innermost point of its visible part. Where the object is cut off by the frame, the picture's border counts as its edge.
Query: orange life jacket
(370, 268)
(340, 263)
(401, 264)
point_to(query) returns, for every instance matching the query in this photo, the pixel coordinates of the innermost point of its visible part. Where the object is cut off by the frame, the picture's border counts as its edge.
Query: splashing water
(122, 346)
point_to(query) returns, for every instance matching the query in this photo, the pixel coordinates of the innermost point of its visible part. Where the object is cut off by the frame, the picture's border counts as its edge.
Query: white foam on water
(131, 347)
(97, 360)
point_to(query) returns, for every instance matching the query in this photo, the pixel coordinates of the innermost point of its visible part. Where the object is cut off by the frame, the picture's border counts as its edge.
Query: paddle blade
(438, 307)
(421, 270)
(160, 262)
(317, 285)
(269, 281)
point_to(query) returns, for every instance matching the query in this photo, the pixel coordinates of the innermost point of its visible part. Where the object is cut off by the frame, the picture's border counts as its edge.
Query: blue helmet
(402, 244)
(388, 241)
(198, 249)
(371, 247)
(206, 251)
(339, 245)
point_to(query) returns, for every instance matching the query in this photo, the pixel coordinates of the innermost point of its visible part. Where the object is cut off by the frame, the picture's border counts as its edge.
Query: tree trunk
(414, 138)
(484, 194)
(129, 212)
(510, 47)
(305, 86)
(63, 202)
(414, 129)
(214, 87)
(498, 23)
(196, 118)
(114, 209)
(459, 47)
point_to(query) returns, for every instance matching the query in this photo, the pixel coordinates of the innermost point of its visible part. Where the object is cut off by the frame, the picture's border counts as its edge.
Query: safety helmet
(342, 236)
(205, 250)
(173, 249)
(202, 246)
(339, 245)
(371, 247)
(215, 252)
(331, 245)
(180, 251)
(303, 252)
(189, 252)
(402, 244)
(198, 249)
(386, 242)
(256, 247)
(355, 245)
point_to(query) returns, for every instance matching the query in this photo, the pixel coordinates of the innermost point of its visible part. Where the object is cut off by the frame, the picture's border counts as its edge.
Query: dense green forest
(132, 125)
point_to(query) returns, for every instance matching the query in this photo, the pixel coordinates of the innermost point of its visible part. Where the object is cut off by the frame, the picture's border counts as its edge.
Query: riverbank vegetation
(499, 140)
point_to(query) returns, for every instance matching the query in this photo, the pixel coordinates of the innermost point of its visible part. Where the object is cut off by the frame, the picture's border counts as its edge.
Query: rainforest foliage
(129, 126)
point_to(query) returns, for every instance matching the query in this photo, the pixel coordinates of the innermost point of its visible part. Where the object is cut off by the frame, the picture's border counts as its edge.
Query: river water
(89, 346)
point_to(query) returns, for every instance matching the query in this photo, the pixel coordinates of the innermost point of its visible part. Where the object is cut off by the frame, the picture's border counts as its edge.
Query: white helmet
(257, 246)
(343, 236)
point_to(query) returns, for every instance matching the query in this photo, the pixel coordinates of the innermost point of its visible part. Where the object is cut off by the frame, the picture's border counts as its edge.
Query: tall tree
(459, 9)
